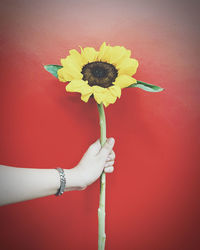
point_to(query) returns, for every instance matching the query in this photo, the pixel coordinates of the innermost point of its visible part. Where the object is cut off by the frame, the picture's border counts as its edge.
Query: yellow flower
(100, 73)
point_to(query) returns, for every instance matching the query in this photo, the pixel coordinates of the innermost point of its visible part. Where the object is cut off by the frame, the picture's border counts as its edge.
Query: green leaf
(146, 86)
(53, 69)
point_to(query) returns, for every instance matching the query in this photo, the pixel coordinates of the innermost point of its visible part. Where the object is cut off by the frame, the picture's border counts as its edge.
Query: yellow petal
(71, 68)
(99, 93)
(104, 53)
(127, 66)
(98, 89)
(63, 75)
(106, 104)
(109, 98)
(82, 87)
(102, 50)
(104, 95)
(118, 54)
(115, 90)
(86, 97)
(124, 81)
(79, 86)
(75, 85)
(88, 55)
(77, 58)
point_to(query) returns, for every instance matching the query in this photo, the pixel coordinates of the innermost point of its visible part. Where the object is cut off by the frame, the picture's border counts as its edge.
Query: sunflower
(101, 74)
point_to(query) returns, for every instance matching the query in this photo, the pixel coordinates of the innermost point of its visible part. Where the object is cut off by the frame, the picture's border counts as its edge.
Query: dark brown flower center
(99, 73)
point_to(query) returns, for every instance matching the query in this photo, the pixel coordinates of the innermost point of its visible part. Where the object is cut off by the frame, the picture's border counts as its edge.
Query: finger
(111, 156)
(107, 148)
(109, 169)
(109, 164)
(95, 147)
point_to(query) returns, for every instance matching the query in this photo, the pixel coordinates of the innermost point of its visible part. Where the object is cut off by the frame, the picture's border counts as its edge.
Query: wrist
(74, 180)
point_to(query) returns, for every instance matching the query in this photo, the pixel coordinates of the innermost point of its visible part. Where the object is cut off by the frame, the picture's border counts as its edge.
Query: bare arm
(21, 184)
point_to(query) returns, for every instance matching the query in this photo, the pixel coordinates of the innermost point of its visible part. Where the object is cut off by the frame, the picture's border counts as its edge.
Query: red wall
(153, 195)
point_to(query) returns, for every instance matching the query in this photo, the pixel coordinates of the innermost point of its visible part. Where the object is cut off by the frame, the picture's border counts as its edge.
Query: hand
(96, 160)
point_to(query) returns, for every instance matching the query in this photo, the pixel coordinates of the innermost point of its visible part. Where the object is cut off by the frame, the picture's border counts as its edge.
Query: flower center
(99, 73)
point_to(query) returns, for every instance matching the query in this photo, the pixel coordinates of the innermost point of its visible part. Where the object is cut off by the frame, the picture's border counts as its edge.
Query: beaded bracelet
(62, 182)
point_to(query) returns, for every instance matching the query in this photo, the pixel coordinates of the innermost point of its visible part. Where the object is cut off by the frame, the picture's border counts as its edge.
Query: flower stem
(101, 209)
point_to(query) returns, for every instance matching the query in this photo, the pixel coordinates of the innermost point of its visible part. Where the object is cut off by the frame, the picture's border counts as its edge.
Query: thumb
(95, 147)
(107, 148)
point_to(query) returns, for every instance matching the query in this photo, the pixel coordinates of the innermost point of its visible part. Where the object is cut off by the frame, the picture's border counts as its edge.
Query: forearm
(20, 184)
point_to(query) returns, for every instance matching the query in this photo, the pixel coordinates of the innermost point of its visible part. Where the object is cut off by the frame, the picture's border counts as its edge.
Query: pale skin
(21, 184)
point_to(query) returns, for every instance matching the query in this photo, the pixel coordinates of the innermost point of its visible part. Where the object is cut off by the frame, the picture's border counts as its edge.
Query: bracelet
(62, 182)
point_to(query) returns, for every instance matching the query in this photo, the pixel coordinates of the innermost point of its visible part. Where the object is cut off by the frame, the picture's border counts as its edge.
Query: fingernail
(111, 141)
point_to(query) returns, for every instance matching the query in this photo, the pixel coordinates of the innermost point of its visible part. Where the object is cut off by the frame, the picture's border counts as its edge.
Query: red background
(153, 195)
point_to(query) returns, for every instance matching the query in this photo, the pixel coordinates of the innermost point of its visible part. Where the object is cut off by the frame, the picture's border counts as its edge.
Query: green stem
(101, 209)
